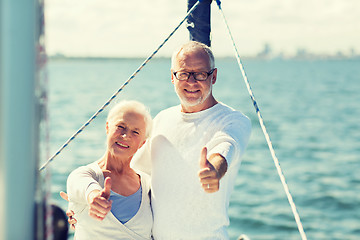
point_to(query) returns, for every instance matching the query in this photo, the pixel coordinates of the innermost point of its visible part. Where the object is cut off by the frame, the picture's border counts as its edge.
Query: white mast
(18, 119)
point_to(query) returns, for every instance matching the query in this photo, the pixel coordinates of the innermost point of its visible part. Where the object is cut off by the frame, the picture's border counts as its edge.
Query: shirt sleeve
(232, 139)
(142, 158)
(80, 183)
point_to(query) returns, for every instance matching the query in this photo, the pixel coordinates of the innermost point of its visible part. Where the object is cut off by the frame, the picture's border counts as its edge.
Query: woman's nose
(124, 133)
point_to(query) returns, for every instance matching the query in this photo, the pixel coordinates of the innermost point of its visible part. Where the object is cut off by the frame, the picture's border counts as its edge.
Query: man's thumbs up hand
(208, 176)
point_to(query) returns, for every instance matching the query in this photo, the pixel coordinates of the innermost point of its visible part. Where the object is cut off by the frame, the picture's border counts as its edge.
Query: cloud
(135, 28)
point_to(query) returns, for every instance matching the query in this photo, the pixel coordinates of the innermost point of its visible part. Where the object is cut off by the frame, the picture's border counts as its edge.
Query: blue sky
(134, 28)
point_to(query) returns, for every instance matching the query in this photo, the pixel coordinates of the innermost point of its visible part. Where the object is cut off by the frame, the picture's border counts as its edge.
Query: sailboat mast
(19, 118)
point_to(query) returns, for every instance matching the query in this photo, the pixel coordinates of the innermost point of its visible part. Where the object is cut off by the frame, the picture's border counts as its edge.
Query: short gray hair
(135, 106)
(192, 46)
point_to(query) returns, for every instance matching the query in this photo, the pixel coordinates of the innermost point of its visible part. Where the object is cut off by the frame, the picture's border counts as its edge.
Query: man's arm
(211, 171)
(70, 213)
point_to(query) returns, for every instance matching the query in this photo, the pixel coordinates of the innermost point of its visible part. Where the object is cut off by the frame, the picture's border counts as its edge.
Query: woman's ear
(142, 143)
(172, 76)
(107, 127)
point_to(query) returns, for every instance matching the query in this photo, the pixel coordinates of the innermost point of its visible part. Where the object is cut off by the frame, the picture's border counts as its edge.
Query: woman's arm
(98, 201)
(80, 183)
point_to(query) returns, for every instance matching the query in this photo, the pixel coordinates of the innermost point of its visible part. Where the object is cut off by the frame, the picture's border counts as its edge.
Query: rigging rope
(118, 91)
(267, 137)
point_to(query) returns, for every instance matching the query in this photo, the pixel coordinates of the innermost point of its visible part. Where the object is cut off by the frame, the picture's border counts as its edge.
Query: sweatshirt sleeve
(81, 182)
(142, 159)
(232, 139)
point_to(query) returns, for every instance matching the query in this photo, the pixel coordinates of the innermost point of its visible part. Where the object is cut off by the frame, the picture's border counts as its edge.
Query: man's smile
(191, 91)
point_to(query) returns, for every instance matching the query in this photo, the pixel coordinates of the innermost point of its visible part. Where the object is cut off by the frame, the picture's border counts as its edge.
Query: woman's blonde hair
(135, 106)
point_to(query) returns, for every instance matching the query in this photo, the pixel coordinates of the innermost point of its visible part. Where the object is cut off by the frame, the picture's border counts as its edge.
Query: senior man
(201, 140)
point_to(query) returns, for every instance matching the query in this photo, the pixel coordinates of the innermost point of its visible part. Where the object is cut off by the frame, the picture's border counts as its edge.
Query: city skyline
(266, 53)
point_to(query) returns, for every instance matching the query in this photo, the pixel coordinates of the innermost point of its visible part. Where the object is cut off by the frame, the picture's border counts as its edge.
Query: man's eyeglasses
(198, 76)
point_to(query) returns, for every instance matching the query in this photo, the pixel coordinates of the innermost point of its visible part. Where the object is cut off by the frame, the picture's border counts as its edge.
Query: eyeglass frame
(192, 73)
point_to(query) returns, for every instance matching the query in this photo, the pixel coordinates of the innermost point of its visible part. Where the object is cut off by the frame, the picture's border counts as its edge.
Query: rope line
(267, 137)
(118, 91)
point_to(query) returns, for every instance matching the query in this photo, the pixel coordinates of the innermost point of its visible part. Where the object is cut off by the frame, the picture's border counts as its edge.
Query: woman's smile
(122, 145)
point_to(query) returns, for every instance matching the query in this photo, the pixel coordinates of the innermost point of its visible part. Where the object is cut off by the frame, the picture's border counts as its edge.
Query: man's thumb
(203, 158)
(107, 187)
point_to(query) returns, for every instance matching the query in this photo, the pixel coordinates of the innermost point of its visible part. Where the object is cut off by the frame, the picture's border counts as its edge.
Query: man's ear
(214, 76)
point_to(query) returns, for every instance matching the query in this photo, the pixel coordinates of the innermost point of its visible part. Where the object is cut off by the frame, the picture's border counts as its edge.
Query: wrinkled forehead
(194, 59)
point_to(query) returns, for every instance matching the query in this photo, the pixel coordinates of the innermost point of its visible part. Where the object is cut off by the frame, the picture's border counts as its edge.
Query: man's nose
(191, 78)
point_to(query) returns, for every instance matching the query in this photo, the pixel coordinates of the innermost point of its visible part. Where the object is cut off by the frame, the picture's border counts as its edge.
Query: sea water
(311, 109)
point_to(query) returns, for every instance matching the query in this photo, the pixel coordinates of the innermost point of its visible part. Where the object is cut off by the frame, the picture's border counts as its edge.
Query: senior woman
(108, 189)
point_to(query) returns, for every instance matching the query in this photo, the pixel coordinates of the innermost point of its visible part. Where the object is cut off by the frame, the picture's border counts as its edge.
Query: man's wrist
(219, 163)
